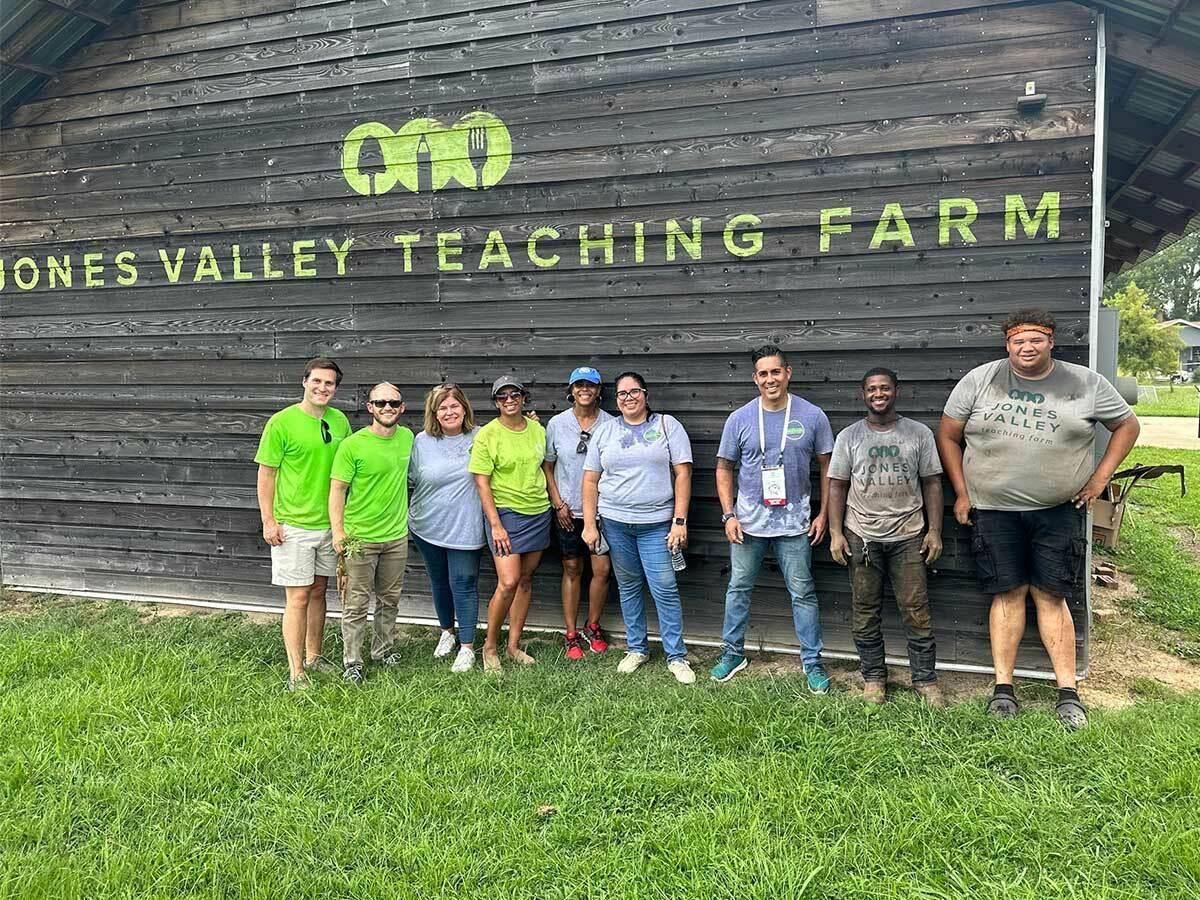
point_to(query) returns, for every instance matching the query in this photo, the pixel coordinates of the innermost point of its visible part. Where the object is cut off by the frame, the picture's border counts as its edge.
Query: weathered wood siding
(131, 411)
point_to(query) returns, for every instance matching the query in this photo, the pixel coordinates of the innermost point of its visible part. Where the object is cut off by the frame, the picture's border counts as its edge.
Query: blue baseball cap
(584, 373)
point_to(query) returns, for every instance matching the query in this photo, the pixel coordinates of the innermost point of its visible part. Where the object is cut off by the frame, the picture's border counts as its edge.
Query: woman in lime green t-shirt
(506, 460)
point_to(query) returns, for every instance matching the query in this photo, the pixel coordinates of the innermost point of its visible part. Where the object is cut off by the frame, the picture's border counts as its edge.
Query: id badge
(774, 486)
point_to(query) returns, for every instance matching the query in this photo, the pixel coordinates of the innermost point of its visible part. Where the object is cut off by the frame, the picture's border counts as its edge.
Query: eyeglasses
(584, 437)
(326, 436)
(380, 404)
(505, 396)
(631, 394)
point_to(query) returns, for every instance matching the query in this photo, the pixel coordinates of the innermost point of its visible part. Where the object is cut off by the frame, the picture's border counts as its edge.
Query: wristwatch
(679, 520)
(725, 517)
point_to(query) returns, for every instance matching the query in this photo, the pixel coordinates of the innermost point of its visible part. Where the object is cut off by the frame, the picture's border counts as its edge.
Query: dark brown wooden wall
(130, 414)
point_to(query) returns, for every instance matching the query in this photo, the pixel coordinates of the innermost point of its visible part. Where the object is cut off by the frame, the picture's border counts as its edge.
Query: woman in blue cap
(506, 460)
(567, 437)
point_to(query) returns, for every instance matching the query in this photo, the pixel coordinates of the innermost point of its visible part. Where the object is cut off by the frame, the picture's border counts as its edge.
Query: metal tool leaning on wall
(1023, 483)
(295, 455)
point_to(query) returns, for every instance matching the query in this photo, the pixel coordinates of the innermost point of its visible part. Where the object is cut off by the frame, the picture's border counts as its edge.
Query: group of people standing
(613, 491)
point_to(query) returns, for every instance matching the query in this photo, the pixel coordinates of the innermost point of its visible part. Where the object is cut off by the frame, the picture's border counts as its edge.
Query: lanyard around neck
(762, 430)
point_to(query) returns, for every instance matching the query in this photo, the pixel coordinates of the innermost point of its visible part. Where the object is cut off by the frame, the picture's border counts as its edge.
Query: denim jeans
(454, 580)
(901, 562)
(794, 555)
(380, 568)
(640, 556)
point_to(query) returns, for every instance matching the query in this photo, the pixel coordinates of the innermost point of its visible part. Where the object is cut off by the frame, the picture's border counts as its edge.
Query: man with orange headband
(1024, 483)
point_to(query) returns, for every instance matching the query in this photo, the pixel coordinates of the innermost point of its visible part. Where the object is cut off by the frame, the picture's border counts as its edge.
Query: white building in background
(1189, 333)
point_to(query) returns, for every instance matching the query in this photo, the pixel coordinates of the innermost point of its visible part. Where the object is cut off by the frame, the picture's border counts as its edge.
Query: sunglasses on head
(326, 436)
(584, 437)
(380, 404)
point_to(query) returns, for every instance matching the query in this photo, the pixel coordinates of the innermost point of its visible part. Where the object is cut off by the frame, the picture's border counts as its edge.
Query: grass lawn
(160, 759)
(1177, 400)
(1160, 542)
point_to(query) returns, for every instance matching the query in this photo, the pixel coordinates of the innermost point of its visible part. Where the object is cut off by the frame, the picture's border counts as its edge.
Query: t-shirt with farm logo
(885, 469)
(1030, 442)
(808, 435)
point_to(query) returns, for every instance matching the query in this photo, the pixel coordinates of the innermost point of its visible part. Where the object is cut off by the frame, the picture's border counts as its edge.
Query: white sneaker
(465, 660)
(631, 663)
(682, 671)
(445, 645)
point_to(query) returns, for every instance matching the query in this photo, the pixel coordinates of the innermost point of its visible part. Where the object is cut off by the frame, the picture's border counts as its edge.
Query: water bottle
(678, 560)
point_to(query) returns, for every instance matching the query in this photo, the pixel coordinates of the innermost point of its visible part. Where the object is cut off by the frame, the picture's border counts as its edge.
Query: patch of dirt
(1126, 650)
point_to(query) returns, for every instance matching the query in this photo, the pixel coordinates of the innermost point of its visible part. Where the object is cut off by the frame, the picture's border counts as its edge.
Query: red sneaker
(574, 645)
(595, 637)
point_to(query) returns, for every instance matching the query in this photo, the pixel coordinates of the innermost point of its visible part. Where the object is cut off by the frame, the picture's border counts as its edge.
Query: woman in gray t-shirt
(446, 520)
(638, 476)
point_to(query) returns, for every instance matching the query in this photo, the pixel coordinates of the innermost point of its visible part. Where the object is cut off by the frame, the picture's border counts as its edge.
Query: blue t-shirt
(808, 435)
(562, 442)
(443, 504)
(634, 462)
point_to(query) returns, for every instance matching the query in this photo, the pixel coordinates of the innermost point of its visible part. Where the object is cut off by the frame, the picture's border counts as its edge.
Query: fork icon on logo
(477, 151)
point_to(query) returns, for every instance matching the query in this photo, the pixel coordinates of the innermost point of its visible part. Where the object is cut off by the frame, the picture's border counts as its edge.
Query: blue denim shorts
(1045, 548)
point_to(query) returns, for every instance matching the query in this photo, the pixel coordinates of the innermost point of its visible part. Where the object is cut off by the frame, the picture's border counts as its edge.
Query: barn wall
(175, 155)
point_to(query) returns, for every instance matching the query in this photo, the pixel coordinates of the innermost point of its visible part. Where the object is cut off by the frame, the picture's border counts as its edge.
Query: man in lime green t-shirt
(368, 501)
(294, 456)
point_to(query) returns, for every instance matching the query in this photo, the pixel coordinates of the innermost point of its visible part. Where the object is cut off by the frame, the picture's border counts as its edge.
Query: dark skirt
(527, 534)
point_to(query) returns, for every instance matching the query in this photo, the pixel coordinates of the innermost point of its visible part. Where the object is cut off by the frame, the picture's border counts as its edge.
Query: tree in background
(1170, 277)
(1144, 349)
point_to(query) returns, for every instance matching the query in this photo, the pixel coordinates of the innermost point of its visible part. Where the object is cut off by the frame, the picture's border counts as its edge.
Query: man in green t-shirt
(294, 456)
(368, 504)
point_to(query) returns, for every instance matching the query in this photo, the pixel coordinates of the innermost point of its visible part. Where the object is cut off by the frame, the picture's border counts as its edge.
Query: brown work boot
(931, 694)
(875, 692)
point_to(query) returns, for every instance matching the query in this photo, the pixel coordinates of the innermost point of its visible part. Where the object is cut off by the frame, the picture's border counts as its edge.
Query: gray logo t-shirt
(808, 435)
(885, 469)
(1030, 442)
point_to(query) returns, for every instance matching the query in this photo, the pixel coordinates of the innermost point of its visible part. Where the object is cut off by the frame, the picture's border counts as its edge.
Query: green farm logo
(1026, 396)
(884, 451)
(425, 155)
(651, 435)
(795, 430)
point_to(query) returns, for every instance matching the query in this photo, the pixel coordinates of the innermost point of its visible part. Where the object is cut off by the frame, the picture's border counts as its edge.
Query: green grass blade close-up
(146, 756)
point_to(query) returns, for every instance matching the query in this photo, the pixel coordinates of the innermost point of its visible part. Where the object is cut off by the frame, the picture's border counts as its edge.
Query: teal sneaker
(818, 679)
(727, 666)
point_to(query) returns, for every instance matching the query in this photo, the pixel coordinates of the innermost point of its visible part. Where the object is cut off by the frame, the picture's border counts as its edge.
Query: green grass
(1173, 400)
(161, 759)
(1167, 572)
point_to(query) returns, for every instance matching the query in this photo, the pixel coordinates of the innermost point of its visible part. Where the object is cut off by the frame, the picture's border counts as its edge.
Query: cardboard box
(1108, 510)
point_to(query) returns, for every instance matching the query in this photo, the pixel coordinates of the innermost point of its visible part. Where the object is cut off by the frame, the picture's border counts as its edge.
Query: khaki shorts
(302, 556)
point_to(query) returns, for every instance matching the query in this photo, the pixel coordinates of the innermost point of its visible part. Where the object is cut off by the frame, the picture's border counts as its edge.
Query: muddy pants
(901, 563)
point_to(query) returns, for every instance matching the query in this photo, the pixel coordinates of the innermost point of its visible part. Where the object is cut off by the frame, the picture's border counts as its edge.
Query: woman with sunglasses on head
(446, 519)
(637, 478)
(506, 460)
(567, 437)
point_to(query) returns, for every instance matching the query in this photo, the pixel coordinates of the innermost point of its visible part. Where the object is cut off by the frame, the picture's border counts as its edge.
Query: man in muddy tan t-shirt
(1024, 483)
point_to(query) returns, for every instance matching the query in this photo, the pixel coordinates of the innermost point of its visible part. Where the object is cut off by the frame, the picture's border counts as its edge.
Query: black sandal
(1072, 714)
(1003, 706)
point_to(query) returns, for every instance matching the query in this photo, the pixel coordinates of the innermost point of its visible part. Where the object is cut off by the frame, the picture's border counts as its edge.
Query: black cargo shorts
(1045, 548)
